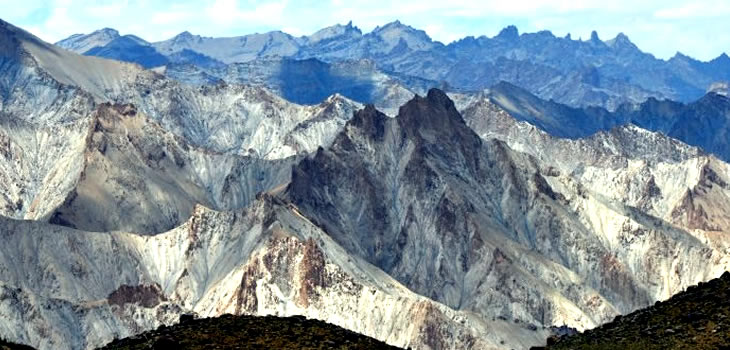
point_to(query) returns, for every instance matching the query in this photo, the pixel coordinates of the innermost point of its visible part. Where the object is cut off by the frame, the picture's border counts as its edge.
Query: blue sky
(699, 28)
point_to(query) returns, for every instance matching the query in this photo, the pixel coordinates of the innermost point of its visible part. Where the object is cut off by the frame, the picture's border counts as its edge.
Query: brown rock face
(311, 271)
(144, 295)
(247, 301)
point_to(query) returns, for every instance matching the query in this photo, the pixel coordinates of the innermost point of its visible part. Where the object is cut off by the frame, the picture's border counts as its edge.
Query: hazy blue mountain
(579, 73)
(704, 123)
(557, 119)
(81, 43)
(310, 81)
(235, 49)
(130, 48)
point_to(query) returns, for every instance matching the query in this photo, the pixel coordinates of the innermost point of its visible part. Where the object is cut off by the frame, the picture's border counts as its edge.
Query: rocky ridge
(240, 332)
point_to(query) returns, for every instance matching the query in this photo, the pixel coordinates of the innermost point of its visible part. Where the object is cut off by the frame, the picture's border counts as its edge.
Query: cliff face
(570, 232)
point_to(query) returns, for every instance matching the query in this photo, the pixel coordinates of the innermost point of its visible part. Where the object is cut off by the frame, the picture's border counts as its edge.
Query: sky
(699, 28)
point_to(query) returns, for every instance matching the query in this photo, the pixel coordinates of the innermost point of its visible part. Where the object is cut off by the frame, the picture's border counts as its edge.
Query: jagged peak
(509, 32)
(370, 121)
(723, 58)
(185, 34)
(545, 33)
(398, 34)
(393, 24)
(106, 31)
(620, 41)
(336, 30)
(680, 56)
(435, 112)
(440, 97)
(718, 98)
(594, 37)
(397, 26)
(621, 37)
(337, 98)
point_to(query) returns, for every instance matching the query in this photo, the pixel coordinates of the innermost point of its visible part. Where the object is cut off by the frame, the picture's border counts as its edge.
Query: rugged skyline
(692, 26)
(387, 65)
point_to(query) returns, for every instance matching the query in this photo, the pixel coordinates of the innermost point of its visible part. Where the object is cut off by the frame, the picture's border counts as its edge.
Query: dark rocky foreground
(249, 332)
(698, 318)
(5, 345)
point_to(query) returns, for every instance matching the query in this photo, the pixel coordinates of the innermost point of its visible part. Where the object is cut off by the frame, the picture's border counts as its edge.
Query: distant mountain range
(574, 72)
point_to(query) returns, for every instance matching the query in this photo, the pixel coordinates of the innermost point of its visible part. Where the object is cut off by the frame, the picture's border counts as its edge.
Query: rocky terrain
(71, 159)
(128, 199)
(246, 332)
(264, 260)
(474, 224)
(698, 318)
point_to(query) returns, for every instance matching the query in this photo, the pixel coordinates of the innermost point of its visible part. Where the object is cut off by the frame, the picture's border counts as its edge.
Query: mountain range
(425, 218)
(596, 73)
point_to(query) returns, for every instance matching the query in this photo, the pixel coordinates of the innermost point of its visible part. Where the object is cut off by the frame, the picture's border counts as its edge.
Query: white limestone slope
(225, 118)
(660, 182)
(64, 288)
(636, 167)
(138, 177)
(221, 144)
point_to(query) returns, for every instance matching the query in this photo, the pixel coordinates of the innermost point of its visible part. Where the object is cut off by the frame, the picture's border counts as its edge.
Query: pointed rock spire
(594, 37)
(509, 33)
